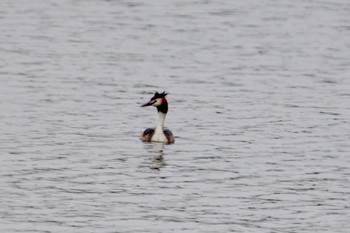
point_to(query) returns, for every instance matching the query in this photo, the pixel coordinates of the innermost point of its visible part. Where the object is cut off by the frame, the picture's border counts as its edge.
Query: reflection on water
(258, 99)
(157, 155)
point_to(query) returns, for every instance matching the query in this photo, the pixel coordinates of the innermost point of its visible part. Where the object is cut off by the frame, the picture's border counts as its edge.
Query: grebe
(159, 133)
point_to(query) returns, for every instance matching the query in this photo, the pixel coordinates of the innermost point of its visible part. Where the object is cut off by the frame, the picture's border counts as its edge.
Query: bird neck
(160, 121)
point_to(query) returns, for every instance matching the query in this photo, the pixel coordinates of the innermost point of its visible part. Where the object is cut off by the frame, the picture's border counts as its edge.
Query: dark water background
(259, 104)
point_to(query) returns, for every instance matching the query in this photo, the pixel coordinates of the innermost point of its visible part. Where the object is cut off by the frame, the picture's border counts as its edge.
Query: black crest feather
(159, 95)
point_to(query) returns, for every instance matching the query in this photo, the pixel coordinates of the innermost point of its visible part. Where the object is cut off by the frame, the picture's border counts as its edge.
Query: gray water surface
(259, 97)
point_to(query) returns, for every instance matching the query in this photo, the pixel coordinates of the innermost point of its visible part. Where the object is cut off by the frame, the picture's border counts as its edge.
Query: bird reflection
(158, 157)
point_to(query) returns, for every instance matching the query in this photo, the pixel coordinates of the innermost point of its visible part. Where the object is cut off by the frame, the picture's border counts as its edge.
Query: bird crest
(159, 95)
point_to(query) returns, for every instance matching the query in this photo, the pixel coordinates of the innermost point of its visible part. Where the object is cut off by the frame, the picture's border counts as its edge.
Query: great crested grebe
(159, 133)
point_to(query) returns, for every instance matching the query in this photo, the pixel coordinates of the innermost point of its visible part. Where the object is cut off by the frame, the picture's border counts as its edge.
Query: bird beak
(148, 104)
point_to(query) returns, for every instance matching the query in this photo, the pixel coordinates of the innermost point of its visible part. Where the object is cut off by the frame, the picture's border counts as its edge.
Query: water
(259, 104)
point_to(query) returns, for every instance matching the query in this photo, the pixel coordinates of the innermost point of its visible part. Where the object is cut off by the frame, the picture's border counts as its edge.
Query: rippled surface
(259, 104)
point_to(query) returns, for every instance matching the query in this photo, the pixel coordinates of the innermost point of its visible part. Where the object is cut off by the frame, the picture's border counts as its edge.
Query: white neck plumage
(160, 121)
(159, 135)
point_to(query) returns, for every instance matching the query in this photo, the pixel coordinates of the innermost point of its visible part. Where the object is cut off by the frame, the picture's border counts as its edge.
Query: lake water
(259, 103)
